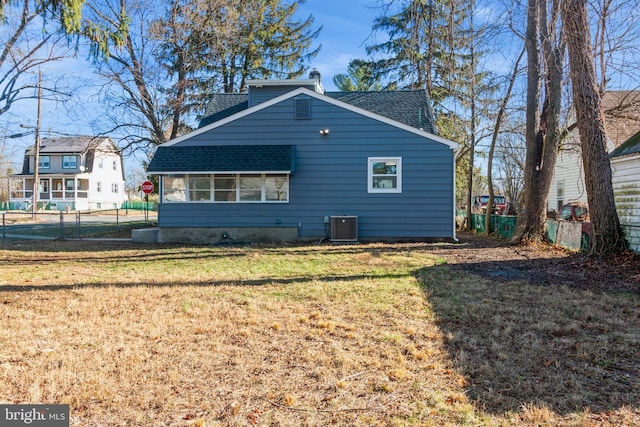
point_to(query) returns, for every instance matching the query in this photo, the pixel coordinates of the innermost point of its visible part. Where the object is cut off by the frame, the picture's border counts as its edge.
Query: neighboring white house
(622, 120)
(78, 173)
(625, 168)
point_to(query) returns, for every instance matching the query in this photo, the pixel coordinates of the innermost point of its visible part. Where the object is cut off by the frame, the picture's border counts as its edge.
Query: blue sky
(346, 28)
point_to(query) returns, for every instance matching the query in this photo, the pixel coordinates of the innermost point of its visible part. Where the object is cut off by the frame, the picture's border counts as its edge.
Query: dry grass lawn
(360, 335)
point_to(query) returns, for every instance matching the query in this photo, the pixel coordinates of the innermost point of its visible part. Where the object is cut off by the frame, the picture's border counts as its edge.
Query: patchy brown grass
(307, 335)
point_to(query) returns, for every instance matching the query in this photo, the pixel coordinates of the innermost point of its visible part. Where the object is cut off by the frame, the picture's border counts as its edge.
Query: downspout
(453, 155)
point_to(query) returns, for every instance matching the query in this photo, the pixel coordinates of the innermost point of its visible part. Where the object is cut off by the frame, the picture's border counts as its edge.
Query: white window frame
(370, 175)
(114, 188)
(99, 187)
(560, 198)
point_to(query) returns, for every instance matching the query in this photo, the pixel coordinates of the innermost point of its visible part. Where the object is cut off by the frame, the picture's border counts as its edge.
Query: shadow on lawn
(116, 252)
(230, 282)
(519, 343)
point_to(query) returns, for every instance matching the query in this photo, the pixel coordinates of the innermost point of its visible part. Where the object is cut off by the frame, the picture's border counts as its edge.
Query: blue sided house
(288, 161)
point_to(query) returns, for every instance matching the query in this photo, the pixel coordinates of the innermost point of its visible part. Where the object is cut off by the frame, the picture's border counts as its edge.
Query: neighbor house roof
(68, 144)
(72, 145)
(223, 159)
(410, 107)
(630, 146)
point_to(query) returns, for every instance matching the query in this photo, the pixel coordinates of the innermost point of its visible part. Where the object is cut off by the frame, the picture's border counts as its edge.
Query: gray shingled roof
(630, 146)
(67, 144)
(72, 145)
(239, 158)
(410, 107)
(224, 105)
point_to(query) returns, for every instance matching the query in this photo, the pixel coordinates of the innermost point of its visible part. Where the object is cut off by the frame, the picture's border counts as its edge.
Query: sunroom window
(250, 188)
(174, 188)
(227, 188)
(200, 188)
(276, 188)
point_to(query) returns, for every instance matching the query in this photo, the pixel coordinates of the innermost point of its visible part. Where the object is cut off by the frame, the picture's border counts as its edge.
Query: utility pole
(36, 166)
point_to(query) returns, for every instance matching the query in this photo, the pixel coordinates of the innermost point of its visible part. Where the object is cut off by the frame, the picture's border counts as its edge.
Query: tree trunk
(542, 136)
(494, 139)
(606, 234)
(533, 100)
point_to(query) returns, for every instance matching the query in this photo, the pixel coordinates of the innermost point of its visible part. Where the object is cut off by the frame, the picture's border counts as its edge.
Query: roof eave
(192, 172)
(451, 144)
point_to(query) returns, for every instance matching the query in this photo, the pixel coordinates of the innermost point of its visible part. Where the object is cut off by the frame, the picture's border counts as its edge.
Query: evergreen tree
(233, 42)
(359, 77)
(175, 57)
(69, 15)
(433, 45)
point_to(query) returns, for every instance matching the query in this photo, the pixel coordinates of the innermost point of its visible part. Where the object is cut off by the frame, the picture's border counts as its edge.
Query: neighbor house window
(69, 162)
(43, 162)
(385, 175)
(227, 188)
(100, 163)
(560, 194)
(69, 184)
(114, 188)
(115, 165)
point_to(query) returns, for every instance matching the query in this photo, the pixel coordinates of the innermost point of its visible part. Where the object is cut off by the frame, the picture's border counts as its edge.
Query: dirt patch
(542, 264)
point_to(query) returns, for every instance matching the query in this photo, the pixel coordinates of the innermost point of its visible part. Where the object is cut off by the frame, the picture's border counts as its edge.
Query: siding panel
(626, 188)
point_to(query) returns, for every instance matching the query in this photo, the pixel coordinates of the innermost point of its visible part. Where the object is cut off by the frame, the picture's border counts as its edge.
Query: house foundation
(216, 235)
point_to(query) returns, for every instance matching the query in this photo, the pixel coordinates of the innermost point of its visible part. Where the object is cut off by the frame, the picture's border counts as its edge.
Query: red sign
(147, 187)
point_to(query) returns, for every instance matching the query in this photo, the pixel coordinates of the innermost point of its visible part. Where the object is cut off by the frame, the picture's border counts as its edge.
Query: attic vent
(302, 108)
(344, 229)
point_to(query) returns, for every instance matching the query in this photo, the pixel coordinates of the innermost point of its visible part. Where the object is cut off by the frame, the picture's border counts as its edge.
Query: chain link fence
(62, 225)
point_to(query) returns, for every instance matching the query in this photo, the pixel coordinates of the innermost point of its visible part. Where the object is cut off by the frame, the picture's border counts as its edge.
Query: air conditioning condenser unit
(344, 229)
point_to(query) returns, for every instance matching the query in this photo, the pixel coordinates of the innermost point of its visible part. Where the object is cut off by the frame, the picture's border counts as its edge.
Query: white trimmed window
(43, 162)
(114, 188)
(384, 175)
(227, 188)
(69, 162)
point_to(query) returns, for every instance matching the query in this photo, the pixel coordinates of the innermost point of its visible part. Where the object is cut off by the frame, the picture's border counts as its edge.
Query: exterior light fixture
(324, 132)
